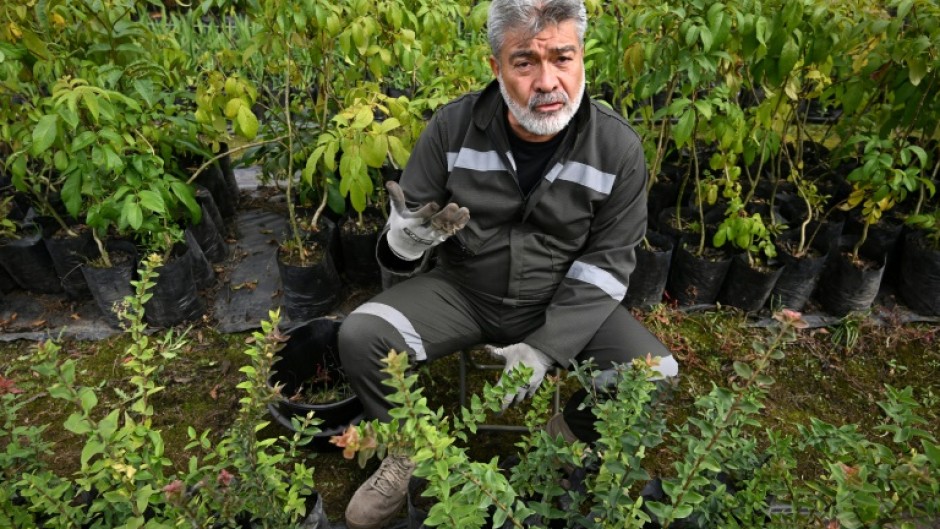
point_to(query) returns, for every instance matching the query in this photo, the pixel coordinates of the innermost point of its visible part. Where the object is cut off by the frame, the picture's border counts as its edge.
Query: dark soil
(313, 251)
(370, 224)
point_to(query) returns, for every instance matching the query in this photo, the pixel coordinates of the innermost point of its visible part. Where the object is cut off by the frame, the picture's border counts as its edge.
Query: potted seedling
(309, 378)
(887, 173)
(754, 271)
(801, 250)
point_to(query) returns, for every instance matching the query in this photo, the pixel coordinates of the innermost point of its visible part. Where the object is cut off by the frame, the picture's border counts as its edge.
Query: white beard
(540, 123)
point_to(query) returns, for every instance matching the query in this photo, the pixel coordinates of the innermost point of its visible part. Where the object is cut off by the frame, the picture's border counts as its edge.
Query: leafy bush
(125, 479)
(728, 470)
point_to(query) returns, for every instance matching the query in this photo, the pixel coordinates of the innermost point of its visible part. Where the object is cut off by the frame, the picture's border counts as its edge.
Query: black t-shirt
(532, 157)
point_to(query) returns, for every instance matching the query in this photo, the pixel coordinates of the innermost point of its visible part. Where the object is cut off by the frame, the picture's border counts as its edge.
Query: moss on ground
(818, 378)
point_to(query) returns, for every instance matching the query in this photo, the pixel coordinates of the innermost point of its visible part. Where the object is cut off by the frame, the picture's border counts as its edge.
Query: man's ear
(494, 65)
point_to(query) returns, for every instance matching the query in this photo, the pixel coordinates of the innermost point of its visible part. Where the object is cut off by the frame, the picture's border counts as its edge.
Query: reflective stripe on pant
(430, 317)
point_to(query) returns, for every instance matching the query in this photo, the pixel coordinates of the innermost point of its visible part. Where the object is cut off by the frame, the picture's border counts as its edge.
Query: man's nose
(547, 80)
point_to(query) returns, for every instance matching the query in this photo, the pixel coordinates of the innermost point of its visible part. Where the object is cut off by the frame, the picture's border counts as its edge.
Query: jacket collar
(490, 108)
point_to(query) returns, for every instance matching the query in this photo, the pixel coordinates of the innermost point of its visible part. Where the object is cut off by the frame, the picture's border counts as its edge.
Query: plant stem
(861, 240)
(101, 249)
(230, 151)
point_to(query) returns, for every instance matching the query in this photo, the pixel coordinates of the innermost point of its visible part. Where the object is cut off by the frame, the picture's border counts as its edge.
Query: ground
(824, 375)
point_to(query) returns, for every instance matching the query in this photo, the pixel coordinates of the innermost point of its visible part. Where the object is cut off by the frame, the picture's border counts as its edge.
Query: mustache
(547, 99)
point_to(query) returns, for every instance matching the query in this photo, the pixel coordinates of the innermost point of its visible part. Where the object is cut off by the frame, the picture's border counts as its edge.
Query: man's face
(541, 79)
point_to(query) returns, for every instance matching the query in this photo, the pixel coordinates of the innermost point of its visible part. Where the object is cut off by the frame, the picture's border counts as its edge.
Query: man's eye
(564, 59)
(523, 64)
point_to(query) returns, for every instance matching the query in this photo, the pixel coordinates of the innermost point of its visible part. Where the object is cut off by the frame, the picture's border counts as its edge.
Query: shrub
(125, 479)
(727, 471)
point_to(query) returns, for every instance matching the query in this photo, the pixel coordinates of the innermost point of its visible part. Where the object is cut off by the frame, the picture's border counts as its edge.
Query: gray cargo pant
(430, 317)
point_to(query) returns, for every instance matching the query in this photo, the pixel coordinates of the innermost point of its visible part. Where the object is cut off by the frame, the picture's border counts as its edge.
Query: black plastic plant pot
(109, 285)
(308, 362)
(68, 254)
(800, 275)
(358, 246)
(648, 280)
(203, 274)
(666, 223)
(847, 286)
(697, 280)
(213, 179)
(748, 288)
(208, 236)
(309, 291)
(175, 296)
(919, 282)
(208, 206)
(28, 262)
(7, 283)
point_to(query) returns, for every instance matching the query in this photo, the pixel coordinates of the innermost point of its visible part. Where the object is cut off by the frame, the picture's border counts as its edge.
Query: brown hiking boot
(557, 426)
(381, 496)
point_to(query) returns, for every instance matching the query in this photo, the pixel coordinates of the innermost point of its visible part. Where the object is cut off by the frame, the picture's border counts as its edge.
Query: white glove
(522, 354)
(411, 233)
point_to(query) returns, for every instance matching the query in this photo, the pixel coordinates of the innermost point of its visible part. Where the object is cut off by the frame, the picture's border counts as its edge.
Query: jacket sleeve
(597, 280)
(423, 181)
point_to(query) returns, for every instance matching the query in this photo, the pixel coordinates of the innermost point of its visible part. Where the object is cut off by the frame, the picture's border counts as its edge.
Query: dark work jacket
(569, 245)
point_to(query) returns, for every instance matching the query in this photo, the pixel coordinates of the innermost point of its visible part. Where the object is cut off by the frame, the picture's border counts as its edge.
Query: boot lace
(391, 475)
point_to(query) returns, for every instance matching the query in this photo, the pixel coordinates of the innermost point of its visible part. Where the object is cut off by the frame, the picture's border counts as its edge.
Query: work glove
(411, 233)
(526, 355)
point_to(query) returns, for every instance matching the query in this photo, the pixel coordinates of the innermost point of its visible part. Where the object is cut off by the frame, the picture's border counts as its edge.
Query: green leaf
(152, 201)
(108, 425)
(329, 157)
(743, 370)
(84, 139)
(145, 90)
(72, 193)
(92, 448)
(399, 153)
(904, 7)
(232, 107)
(91, 103)
(363, 118)
(35, 45)
(247, 123)
(932, 451)
(683, 511)
(112, 161)
(311, 168)
(789, 56)
(704, 108)
(185, 194)
(131, 214)
(682, 132)
(61, 161)
(705, 35)
(77, 424)
(88, 399)
(388, 125)
(917, 69)
(374, 149)
(44, 134)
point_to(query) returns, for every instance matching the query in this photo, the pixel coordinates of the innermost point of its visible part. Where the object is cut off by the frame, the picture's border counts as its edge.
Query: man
(545, 194)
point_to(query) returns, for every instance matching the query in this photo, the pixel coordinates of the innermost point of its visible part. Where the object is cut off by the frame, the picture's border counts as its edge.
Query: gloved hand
(522, 354)
(411, 233)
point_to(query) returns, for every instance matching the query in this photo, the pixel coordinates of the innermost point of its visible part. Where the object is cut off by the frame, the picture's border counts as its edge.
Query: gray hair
(532, 16)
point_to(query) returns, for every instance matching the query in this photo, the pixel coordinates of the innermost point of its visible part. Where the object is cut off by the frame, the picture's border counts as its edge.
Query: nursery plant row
(776, 133)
